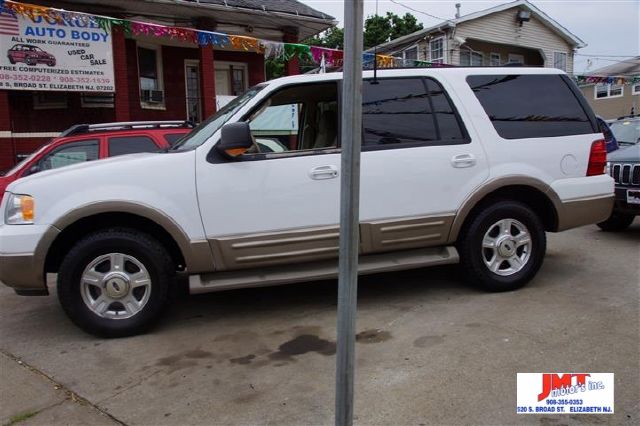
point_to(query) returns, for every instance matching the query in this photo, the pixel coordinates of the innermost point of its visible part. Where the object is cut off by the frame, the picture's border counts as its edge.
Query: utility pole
(351, 140)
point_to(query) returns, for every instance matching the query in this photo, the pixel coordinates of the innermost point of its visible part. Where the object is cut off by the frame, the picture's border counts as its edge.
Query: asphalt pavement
(430, 349)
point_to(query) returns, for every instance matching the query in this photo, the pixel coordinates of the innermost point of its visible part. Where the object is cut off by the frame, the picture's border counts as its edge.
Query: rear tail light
(597, 158)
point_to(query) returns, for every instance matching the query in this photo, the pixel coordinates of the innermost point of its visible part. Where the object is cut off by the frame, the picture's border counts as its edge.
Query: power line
(605, 56)
(418, 11)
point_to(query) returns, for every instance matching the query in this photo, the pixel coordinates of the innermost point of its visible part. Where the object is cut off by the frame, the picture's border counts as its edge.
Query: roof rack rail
(628, 116)
(124, 125)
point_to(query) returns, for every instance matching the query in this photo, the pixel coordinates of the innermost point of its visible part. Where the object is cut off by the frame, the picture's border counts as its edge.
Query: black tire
(617, 222)
(145, 249)
(30, 61)
(473, 254)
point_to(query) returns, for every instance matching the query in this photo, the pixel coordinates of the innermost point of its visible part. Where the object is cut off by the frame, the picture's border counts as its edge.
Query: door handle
(463, 160)
(323, 172)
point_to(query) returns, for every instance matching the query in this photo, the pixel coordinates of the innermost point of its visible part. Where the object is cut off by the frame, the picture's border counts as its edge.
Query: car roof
(107, 132)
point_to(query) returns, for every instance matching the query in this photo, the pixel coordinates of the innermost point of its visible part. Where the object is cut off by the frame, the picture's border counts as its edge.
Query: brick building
(158, 78)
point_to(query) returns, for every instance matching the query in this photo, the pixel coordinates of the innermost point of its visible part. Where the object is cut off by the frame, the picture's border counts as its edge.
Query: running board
(321, 270)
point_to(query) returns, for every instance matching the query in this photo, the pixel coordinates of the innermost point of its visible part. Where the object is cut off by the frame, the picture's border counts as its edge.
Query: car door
(279, 204)
(419, 163)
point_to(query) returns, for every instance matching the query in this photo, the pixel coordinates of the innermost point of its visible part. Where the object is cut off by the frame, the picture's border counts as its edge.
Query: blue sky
(611, 28)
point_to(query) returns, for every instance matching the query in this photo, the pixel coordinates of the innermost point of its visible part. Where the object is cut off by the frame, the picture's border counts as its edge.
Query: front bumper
(621, 205)
(23, 251)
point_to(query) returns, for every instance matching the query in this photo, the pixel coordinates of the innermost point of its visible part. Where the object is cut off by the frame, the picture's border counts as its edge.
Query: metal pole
(349, 209)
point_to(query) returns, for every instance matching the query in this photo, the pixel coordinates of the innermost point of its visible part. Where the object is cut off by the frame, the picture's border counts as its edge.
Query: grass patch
(21, 417)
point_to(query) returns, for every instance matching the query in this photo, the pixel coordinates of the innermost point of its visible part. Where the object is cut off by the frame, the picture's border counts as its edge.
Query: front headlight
(20, 210)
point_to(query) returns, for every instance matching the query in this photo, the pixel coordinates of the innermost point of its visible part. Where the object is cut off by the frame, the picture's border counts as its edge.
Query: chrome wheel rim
(506, 247)
(115, 286)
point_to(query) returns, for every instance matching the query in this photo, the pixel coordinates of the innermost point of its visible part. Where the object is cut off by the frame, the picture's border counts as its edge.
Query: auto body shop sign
(53, 53)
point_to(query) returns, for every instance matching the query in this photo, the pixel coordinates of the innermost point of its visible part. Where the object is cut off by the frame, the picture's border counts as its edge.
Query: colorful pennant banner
(271, 49)
(594, 79)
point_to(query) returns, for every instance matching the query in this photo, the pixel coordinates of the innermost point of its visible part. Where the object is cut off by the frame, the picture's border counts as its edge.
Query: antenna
(375, 57)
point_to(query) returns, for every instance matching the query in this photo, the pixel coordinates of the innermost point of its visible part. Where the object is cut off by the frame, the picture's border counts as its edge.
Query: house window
(411, 54)
(495, 60)
(635, 89)
(92, 100)
(471, 59)
(516, 59)
(560, 60)
(602, 91)
(150, 74)
(436, 50)
(50, 100)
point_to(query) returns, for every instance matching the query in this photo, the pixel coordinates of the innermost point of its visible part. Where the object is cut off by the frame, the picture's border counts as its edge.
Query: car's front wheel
(115, 282)
(617, 222)
(503, 246)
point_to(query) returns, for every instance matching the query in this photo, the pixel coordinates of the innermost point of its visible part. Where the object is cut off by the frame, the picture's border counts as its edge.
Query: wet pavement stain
(373, 336)
(183, 360)
(426, 341)
(303, 344)
(243, 360)
(198, 354)
(473, 325)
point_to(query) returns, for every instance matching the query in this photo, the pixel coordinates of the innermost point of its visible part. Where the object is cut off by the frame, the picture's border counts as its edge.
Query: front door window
(192, 88)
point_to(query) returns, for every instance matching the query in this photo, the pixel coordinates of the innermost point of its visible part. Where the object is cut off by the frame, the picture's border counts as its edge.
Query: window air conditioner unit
(152, 96)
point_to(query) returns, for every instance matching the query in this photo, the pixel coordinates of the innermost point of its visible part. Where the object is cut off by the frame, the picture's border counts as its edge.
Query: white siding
(501, 27)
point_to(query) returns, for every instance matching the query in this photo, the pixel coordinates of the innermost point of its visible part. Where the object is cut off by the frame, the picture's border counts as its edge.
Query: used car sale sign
(71, 54)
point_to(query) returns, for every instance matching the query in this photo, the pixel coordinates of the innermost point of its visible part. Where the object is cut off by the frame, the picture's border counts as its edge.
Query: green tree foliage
(333, 38)
(377, 29)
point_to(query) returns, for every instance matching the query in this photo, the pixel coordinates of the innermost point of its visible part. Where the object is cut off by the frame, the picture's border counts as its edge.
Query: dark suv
(624, 166)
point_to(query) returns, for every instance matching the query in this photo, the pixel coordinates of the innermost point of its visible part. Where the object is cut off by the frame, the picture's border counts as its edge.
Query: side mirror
(33, 169)
(236, 139)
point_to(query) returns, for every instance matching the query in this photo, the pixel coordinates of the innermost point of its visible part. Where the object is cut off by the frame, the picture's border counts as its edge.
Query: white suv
(458, 164)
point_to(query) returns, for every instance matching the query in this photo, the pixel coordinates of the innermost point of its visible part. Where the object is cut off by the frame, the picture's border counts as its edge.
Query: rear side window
(407, 112)
(172, 138)
(131, 144)
(530, 106)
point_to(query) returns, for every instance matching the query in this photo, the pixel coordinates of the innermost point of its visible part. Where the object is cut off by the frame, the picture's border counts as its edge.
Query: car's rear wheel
(617, 222)
(30, 61)
(115, 282)
(503, 246)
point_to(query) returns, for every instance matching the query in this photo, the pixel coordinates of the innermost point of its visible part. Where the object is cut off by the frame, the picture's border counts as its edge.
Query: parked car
(609, 137)
(469, 165)
(626, 130)
(624, 166)
(88, 142)
(30, 55)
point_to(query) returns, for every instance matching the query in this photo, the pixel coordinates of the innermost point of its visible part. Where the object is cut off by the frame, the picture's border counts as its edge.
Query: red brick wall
(25, 119)
(207, 81)
(255, 63)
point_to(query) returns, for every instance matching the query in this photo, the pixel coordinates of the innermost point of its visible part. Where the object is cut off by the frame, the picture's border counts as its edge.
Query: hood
(90, 166)
(626, 154)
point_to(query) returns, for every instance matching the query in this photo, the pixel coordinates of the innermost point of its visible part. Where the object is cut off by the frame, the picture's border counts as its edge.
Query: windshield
(24, 161)
(200, 134)
(626, 131)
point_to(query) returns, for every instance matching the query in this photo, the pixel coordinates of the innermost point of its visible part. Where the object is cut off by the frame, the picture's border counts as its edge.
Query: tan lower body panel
(326, 269)
(584, 212)
(309, 245)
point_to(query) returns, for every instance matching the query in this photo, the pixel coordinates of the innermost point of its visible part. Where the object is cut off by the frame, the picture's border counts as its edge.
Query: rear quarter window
(531, 106)
(131, 144)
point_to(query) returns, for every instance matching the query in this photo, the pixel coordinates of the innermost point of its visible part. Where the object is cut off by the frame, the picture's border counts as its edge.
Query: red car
(30, 55)
(85, 142)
